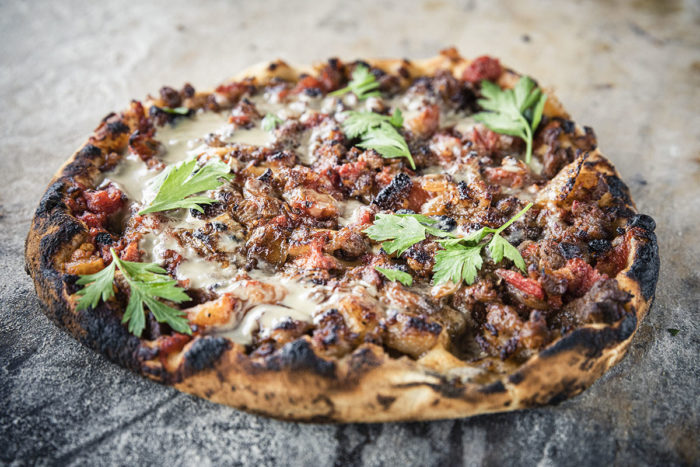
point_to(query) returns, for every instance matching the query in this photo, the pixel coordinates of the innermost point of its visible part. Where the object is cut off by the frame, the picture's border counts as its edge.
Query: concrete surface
(629, 69)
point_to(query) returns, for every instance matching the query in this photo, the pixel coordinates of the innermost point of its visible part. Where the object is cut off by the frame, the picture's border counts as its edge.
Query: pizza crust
(367, 385)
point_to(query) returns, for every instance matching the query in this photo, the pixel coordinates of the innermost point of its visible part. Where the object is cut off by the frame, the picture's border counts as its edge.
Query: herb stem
(513, 219)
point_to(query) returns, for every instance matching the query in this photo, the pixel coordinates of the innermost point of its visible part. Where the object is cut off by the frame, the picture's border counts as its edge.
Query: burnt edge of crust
(299, 356)
(646, 264)
(53, 228)
(203, 354)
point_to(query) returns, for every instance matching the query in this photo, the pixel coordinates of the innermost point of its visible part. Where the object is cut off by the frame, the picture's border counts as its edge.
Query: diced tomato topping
(307, 82)
(580, 275)
(131, 252)
(316, 259)
(239, 119)
(482, 68)
(93, 220)
(486, 139)
(106, 201)
(522, 283)
(232, 90)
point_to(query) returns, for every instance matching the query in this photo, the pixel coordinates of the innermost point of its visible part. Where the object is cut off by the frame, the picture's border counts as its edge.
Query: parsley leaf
(147, 282)
(101, 287)
(176, 110)
(378, 132)
(457, 262)
(396, 275)
(516, 112)
(673, 331)
(182, 181)
(363, 84)
(271, 122)
(399, 232)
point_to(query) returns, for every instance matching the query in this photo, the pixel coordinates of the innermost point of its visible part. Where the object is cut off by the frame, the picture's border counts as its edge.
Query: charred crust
(117, 127)
(646, 264)
(444, 388)
(592, 342)
(516, 378)
(618, 188)
(299, 356)
(105, 333)
(53, 242)
(493, 388)
(643, 221)
(90, 151)
(203, 353)
(52, 199)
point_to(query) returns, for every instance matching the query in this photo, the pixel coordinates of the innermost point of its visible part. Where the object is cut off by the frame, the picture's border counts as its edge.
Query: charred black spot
(643, 221)
(117, 127)
(493, 388)
(423, 325)
(463, 189)
(618, 188)
(645, 268)
(446, 223)
(393, 192)
(569, 250)
(385, 401)
(445, 388)
(203, 353)
(599, 245)
(363, 358)
(209, 210)
(266, 176)
(103, 238)
(90, 151)
(516, 378)
(313, 92)
(568, 126)
(297, 356)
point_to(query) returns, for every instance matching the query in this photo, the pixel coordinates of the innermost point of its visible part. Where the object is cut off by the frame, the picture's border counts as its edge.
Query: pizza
(353, 241)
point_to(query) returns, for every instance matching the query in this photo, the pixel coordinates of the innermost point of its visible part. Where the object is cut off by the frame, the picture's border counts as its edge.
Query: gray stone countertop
(629, 69)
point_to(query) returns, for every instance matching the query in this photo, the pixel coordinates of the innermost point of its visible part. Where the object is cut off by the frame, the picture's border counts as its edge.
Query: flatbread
(371, 382)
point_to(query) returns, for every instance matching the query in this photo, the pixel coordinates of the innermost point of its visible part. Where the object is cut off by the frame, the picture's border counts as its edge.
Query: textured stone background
(630, 70)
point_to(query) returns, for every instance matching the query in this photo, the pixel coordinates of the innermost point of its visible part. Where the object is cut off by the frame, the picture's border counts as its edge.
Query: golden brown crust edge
(368, 385)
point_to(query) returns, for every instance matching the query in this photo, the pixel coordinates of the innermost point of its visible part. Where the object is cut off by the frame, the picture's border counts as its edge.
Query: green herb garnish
(147, 282)
(396, 275)
(183, 180)
(515, 112)
(673, 331)
(378, 132)
(460, 259)
(270, 122)
(363, 84)
(399, 232)
(175, 110)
